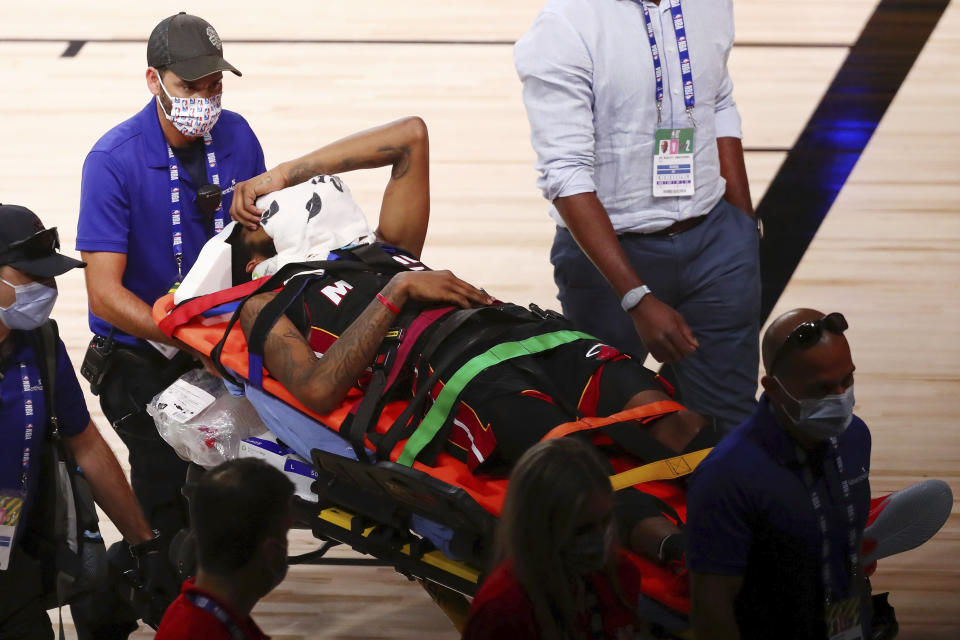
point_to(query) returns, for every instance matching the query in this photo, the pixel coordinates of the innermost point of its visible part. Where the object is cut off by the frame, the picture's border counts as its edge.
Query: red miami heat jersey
(505, 409)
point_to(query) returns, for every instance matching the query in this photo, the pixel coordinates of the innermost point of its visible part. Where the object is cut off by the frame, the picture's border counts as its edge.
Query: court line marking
(817, 167)
(75, 45)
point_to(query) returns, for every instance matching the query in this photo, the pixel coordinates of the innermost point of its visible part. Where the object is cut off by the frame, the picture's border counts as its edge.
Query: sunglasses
(809, 333)
(39, 245)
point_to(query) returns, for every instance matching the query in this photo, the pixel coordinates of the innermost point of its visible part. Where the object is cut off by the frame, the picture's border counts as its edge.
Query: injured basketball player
(537, 371)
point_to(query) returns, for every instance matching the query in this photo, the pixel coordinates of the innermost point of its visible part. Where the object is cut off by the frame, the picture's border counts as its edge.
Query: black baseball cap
(188, 46)
(27, 246)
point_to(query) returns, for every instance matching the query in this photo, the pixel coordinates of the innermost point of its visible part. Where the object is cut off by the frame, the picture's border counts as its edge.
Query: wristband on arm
(389, 305)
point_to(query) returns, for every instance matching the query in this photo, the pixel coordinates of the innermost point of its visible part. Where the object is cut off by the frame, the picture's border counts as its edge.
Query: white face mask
(192, 117)
(267, 267)
(31, 307)
(821, 418)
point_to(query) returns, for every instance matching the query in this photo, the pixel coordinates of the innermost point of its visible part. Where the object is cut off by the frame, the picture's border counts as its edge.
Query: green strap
(441, 408)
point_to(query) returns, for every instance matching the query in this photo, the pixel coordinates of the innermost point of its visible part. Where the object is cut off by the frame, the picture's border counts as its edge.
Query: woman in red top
(561, 573)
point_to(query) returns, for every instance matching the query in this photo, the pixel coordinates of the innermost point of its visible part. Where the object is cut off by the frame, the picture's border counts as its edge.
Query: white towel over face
(308, 220)
(211, 272)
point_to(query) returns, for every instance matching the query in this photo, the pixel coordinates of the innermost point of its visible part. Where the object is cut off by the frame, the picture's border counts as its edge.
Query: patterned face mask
(192, 117)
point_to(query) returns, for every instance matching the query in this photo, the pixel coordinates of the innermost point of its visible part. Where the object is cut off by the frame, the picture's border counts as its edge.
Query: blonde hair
(550, 487)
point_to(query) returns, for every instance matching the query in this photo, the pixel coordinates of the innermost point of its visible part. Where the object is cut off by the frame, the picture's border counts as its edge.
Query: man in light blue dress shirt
(609, 86)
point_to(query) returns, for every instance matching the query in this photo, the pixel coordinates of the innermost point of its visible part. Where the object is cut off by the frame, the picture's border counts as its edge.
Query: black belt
(678, 227)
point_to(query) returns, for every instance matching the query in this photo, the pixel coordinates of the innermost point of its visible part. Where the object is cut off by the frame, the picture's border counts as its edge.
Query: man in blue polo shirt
(776, 512)
(28, 264)
(155, 188)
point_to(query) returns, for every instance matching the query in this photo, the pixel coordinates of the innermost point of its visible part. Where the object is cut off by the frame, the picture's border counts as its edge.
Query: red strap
(185, 312)
(409, 338)
(416, 328)
(644, 413)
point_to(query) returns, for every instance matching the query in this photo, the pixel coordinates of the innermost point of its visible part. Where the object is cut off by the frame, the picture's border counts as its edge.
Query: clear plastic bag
(201, 420)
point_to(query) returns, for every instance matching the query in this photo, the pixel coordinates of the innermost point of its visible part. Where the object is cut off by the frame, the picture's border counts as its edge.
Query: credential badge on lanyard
(213, 177)
(12, 498)
(673, 149)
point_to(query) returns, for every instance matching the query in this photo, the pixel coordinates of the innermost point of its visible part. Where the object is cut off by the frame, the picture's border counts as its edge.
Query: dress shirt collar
(664, 5)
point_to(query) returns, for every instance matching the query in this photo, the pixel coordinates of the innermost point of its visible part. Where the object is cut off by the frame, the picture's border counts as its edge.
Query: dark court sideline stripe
(74, 46)
(817, 167)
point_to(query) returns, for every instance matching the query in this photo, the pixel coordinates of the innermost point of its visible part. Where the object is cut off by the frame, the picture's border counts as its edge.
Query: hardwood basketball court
(886, 255)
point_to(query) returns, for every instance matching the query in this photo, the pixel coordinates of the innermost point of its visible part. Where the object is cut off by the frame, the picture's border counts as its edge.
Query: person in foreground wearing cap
(28, 264)
(154, 189)
(776, 512)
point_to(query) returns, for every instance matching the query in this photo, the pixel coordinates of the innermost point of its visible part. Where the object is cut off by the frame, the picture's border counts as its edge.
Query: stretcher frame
(368, 506)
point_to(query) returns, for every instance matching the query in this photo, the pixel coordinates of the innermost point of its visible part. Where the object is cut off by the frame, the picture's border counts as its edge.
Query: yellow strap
(344, 520)
(667, 469)
(440, 561)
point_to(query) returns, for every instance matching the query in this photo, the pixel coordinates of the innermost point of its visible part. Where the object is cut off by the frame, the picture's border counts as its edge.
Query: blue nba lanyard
(218, 612)
(28, 424)
(686, 71)
(853, 556)
(213, 177)
(13, 505)
(28, 419)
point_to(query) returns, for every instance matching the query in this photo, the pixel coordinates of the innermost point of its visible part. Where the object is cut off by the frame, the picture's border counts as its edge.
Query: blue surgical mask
(32, 306)
(821, 418)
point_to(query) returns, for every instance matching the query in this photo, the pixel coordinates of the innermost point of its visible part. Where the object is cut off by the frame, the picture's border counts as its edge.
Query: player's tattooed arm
(397, 156)
(322, 383)
(306, 167)
(387, 145)
(395, 144)
(400, 158)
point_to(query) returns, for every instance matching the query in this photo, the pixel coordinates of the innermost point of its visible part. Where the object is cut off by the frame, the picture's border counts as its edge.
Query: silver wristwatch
(633, 297)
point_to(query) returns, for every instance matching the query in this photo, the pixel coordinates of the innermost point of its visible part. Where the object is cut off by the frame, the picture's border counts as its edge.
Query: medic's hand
(663, 331)
(245, 194)
(160, 583)
(434, 286)
(148, 577)
(202, 357)
(208, 365)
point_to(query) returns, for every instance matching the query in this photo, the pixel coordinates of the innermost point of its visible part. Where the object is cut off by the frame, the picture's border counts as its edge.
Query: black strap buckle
(545, 314)
(388, 349)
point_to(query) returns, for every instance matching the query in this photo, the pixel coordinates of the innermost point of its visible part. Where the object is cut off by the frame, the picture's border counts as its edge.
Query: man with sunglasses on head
(155, 188)
(29, 262)
(776, 512)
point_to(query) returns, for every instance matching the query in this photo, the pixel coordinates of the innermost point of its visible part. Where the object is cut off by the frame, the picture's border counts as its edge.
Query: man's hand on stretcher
(321, 384)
